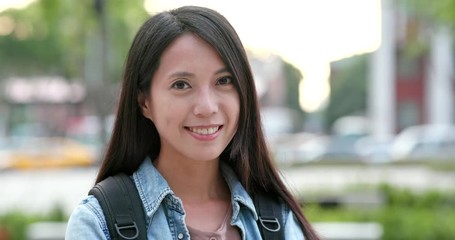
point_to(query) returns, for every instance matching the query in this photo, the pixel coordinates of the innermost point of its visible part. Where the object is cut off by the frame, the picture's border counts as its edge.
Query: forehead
(189, 44)
(189, 52)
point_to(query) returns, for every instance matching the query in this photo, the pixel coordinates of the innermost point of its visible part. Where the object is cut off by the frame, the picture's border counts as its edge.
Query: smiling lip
(205, 133)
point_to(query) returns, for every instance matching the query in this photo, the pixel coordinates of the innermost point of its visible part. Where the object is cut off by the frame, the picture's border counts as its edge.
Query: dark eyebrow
(184, 74)
(223, 70)
(181, 74)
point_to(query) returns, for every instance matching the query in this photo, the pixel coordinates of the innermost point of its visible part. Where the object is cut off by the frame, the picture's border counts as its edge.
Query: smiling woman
(192, 100)
(188, 132)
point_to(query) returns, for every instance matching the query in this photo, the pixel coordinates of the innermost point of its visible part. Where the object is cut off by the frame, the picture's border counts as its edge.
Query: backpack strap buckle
(122, 207)
(271, 224)
(269, 210)
(130, 227)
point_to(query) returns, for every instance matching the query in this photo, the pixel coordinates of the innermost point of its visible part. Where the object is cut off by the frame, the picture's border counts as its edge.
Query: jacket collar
(238, 193)
(154, 189)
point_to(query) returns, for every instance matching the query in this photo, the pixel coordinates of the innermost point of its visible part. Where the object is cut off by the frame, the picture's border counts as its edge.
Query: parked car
(304, 148)
(290, 149)
(425, 142)
(339, 148)
(53, 152)
(374, 150)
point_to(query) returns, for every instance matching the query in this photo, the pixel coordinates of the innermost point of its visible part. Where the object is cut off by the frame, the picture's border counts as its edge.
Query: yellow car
(49, 153)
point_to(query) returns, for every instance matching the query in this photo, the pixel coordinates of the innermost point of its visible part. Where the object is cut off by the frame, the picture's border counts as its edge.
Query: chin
(207, 157)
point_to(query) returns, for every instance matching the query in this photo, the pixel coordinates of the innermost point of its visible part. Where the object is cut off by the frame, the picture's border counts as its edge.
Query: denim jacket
(165, 216)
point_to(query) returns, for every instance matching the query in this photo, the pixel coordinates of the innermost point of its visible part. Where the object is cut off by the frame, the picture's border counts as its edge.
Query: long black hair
(135, 137)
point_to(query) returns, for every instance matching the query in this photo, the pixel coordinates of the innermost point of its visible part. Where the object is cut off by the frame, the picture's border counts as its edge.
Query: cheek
(234, 110)
(165, 113)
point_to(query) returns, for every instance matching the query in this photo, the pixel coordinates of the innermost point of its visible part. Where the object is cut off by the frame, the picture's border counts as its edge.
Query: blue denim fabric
(165, 216)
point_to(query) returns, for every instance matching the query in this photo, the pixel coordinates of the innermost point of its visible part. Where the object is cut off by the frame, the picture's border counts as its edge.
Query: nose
(206, 103)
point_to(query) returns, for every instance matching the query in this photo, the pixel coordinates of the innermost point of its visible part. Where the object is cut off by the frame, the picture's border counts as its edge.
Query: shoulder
(292, 229)
(87, 221)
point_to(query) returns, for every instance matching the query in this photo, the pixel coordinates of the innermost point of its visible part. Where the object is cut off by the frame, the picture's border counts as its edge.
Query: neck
(193, 181)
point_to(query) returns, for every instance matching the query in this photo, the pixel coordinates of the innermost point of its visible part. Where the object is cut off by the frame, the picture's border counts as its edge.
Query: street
(39, 191)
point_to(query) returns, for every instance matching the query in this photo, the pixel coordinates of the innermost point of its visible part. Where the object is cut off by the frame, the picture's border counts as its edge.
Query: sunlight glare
(16, 4)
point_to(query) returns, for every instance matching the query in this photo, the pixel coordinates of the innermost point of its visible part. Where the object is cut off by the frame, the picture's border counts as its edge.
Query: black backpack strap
(122, 207)
(270, 221)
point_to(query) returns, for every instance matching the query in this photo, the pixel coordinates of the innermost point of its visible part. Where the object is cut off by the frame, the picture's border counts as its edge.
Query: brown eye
(180, 85)
(224, 81)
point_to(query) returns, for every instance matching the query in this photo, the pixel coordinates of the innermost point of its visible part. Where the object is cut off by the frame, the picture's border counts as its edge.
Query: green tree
(58, 37)
(442, 11)
(292, 76)
(348, 83)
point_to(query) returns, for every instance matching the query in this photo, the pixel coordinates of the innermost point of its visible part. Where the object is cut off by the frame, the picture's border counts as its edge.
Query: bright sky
(18, 4)
(308, 33)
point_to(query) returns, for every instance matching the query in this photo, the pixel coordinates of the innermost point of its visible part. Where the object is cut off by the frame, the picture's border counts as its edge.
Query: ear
(144, 105)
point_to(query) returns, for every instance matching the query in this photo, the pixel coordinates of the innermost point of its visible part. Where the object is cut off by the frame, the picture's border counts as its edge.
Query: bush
(404, 215)
(14, 224)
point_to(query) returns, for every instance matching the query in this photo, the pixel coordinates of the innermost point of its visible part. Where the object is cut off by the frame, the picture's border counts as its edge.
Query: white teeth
(204, 131)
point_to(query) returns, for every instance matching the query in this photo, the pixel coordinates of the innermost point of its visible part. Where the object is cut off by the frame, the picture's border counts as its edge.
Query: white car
(425, 142)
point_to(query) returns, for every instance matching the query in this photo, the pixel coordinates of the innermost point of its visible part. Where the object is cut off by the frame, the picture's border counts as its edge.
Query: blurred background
(357, 100)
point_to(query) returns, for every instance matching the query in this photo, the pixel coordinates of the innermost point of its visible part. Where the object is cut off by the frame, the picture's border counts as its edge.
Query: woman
(188, 131)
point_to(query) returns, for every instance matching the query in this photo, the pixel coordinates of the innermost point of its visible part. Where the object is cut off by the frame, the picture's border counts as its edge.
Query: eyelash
(186, 85)
(174, 85)
(229, 78)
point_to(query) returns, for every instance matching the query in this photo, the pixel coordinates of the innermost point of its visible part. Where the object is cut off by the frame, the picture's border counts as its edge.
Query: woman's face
(193, 101)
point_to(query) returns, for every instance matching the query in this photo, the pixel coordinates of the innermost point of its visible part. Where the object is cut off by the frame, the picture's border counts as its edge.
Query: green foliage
(404, 197)
(348, 88)
(417, 223)
(405, 214)
(292, 77)
(15, 223)
(61, 37)
(441, 11)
